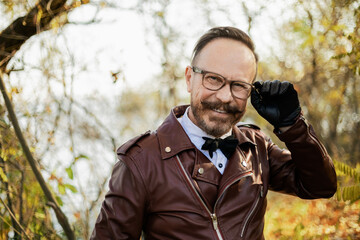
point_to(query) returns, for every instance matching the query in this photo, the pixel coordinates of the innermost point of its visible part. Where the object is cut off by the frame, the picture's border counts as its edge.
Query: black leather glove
(277, 102)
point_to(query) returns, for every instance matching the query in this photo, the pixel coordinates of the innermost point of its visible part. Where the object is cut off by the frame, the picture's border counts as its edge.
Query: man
(202, 175)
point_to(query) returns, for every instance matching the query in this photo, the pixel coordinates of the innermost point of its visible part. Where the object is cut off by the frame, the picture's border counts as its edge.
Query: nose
(224, 94)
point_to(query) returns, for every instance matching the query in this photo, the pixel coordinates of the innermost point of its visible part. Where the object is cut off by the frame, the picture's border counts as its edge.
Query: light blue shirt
(195, 134)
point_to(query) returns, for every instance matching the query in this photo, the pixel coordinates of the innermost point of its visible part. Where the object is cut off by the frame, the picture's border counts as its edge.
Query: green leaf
(70, 172)
(39, 215)
(59, 200)
(338, 194)
(347, 170)
(351, 193)
(81, 156)
(61, 188)
(71, 187)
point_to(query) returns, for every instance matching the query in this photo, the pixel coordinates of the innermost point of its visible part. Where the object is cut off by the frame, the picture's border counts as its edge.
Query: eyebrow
(199, 70)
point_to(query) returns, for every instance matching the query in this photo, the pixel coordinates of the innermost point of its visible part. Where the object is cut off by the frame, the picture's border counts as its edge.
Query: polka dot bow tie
(226, 145)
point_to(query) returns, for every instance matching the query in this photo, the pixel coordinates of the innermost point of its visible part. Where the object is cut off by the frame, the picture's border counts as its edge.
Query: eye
(214, 79)
(240, 86)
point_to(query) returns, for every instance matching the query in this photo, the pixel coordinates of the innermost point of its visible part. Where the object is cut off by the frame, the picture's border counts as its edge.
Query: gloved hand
(277, 102)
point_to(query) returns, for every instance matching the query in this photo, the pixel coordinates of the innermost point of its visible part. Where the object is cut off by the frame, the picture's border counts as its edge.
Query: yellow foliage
(335, 96)
(160, 14)
(15, 90)
(340, 49)
(77, 4)
(292, 218)
(3, 176)
(40, 215)
(351, 190)
(39, 15)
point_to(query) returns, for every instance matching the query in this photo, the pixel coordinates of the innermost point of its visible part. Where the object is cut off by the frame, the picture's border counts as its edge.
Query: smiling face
(216, 112)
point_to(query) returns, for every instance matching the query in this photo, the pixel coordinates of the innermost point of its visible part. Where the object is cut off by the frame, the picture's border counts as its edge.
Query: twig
(14, 218)
(10, 207)
(12, 116)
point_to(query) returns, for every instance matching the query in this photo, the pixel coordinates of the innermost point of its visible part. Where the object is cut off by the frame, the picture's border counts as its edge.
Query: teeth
(219, 111)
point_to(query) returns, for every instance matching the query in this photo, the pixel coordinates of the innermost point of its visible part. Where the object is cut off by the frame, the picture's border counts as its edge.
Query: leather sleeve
(122, 212)
(307, 170)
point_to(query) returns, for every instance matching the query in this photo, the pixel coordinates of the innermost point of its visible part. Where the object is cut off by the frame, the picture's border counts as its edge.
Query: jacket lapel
(239, 163)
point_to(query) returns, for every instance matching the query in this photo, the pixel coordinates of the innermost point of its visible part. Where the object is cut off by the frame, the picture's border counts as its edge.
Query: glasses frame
(204, 72)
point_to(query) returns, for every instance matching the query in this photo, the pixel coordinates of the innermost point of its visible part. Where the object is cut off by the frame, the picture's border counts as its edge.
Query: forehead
(228, 57)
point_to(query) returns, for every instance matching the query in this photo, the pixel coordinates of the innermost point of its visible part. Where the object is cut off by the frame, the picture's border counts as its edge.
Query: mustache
(221, 106)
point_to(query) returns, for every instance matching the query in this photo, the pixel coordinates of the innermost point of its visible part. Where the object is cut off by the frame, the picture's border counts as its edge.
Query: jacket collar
(173, 139)
(243, 139)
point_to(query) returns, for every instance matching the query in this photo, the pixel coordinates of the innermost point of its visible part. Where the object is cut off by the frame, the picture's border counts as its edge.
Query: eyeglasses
(213, 81)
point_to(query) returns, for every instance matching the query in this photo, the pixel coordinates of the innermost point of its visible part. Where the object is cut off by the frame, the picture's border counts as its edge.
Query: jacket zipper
(247, 219)
(213, 216)
(260, 195)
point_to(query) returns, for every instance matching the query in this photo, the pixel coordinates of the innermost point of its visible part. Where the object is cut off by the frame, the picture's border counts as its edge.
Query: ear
(188, 72)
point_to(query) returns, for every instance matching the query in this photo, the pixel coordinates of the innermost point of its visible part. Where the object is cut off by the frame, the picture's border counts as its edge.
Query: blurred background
(84, 76)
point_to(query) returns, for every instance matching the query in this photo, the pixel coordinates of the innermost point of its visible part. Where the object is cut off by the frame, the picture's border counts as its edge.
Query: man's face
(216, 112)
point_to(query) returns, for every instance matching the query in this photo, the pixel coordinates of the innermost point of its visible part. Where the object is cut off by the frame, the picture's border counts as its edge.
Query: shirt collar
(173, 138)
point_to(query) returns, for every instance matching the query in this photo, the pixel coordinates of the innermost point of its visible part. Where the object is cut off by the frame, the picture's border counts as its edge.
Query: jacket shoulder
(247, 125)
(252, 131)
(123, 149)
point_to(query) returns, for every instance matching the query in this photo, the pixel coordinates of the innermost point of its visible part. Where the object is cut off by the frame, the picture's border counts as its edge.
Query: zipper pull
(214, 221)
(261, 191)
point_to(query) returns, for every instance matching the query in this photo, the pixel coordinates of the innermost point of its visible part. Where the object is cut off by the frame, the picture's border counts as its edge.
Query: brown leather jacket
(163, 186)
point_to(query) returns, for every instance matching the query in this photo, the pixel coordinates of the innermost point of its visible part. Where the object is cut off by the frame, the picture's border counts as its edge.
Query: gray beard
(220, 129)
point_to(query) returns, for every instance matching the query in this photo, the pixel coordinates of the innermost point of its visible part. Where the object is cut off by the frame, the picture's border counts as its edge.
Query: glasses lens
(241, 90)
(212, 81)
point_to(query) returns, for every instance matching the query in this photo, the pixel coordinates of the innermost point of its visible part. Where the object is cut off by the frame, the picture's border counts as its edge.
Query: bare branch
(14, 219)
(36, 20)
(9, 200)
(35, 168)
